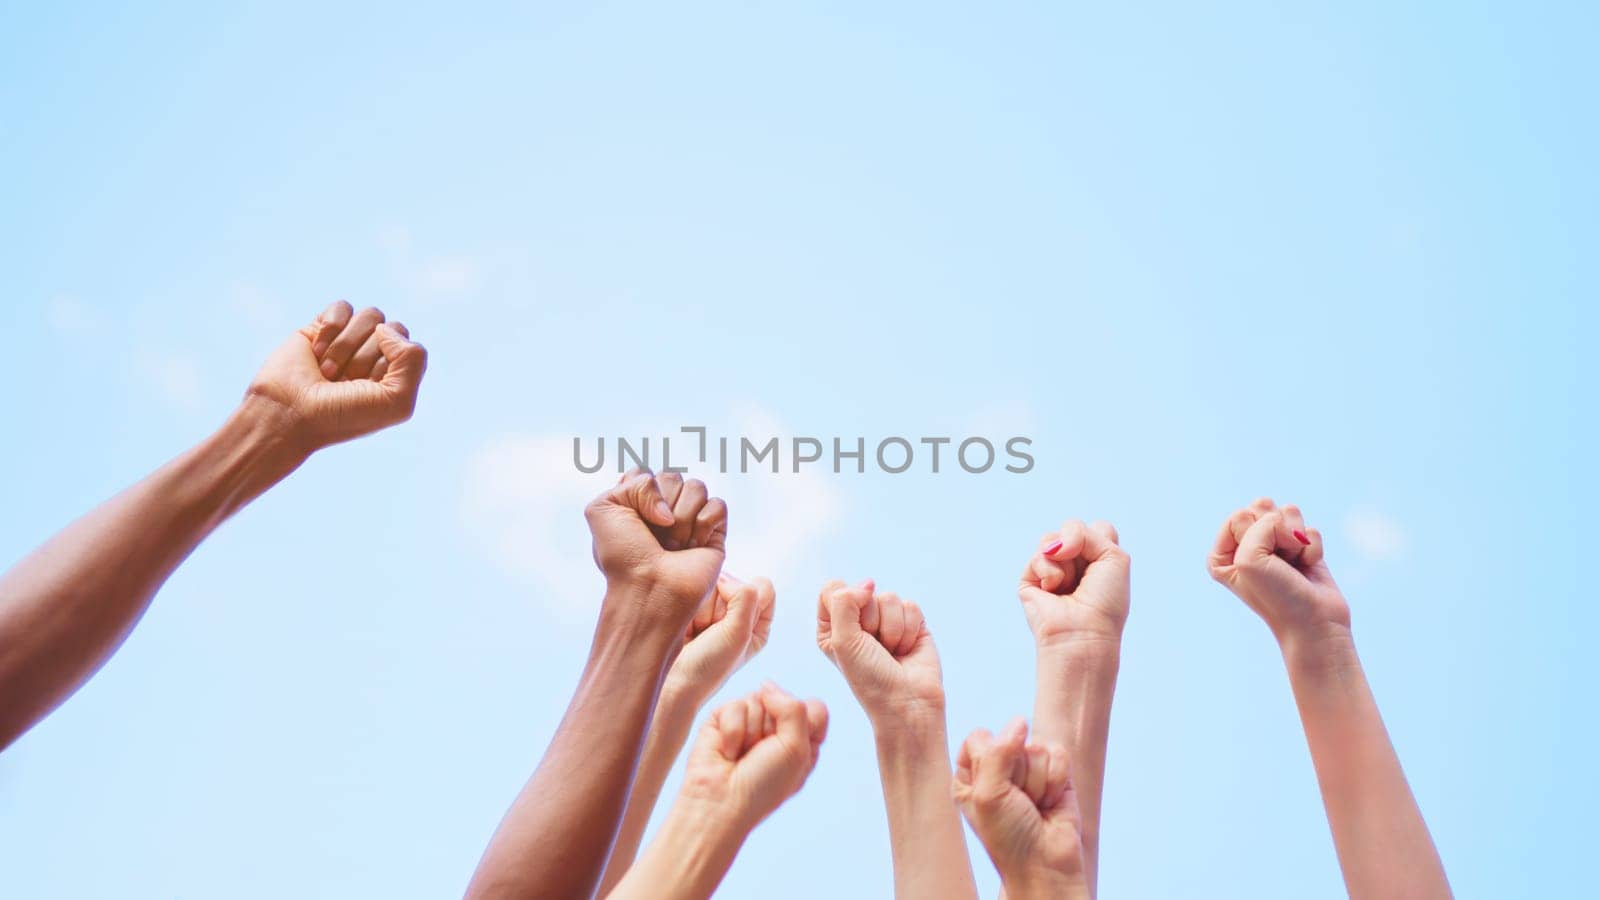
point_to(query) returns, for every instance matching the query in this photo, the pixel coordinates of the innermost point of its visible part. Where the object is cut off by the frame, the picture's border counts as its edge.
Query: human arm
(1075, 595)
(730, 626)
(1269, 558)
(882, 646)
(750, 757)
(660, 545)
(67, 606)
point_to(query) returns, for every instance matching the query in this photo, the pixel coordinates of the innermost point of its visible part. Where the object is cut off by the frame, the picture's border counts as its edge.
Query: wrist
(1029, 882)
(625, 623)
(1319, 648)
(908, 720)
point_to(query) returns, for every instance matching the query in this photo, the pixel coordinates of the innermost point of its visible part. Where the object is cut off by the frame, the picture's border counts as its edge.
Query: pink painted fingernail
(1054, 546)
(1301, 537)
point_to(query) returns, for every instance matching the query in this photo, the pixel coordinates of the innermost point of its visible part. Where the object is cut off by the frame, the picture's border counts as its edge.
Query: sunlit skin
(1273, 561)
(66, 607)
(1074, 594)
(752, 755)
(730, 627)
(660, 544)
(882, 646)
(1020, 799)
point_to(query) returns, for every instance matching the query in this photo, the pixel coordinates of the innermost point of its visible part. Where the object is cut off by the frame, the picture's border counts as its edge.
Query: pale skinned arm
(1075, 594)
(730, 627)
(882, 646)
(660, 545)
(750, 757)
(1270, 559)
(66, 607)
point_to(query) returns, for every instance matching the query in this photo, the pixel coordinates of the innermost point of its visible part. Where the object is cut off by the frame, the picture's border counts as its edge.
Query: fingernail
(865, 585)
(329, 370)
(319, 348)
(1301, 537)
(1054, 546)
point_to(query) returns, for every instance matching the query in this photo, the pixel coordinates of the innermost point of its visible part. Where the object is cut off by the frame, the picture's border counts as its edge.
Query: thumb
(1261, 539)
(408, 361)
(844, 606)
(740, 619)
(640, 492)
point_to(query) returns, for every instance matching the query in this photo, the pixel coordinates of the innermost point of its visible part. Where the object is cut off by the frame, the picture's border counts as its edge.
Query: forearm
(687, 860)
(1040, 884)
(930, 852)
(1383, 844)
(67, 606)
(1072, 707)
(554, 840)
(669, 731)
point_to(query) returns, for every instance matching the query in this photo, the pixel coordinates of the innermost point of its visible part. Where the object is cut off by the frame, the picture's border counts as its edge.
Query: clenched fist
(1269, 557)
(660, 539)
(754, 754)
(883, 647)
(1019, 798)
(730, 626)
(1075, 588)
(344, 375)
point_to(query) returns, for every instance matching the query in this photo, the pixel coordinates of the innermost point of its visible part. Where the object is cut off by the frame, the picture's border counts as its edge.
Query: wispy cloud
(429, 276)
(68, 315)
(175, 379)
(523, 504)
(1375, 535)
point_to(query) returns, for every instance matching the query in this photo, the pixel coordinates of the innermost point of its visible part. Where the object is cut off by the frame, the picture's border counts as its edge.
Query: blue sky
(1342, 255)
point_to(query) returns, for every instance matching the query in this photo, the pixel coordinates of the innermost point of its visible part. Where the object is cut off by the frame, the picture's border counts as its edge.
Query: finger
(843, 607)
(1313, 552)
(994, 766)
(707, 612)
(711, 525)
(709, 742)
(915, 625)
(1292, 537)
(327, 325)
(365, 359)
(1227, 544)
(730, 719)
(1263, 505)
(1067, 543)
(871, 615)
(755, 721)
(349, 341)
(816, 726)
(972, 749)
(891, 621)
(1261, 540)
(1036, 772)
(671, 486)
(740, 613)
(407, 362)
(1049, 575)
(1058, 775)
(381, 367)
(640, 492)
(766, 606)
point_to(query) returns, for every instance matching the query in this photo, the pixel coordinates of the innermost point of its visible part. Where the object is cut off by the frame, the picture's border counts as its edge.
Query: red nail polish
(1301, 537)
(1054, 546)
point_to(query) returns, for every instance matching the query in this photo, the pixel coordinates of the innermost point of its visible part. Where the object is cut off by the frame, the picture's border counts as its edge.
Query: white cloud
(176, 379)
(1375, 535)
(523, 503)
(429, 277)
(256, 305)
(69, 315)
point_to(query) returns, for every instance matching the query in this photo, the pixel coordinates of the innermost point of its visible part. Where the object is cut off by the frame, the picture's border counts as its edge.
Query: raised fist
(342, 376)
(729, 627)
(1075, 588)
(1269, 557)
(662, 539)
(753, 754)
(1019, 799)
(883, 647)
